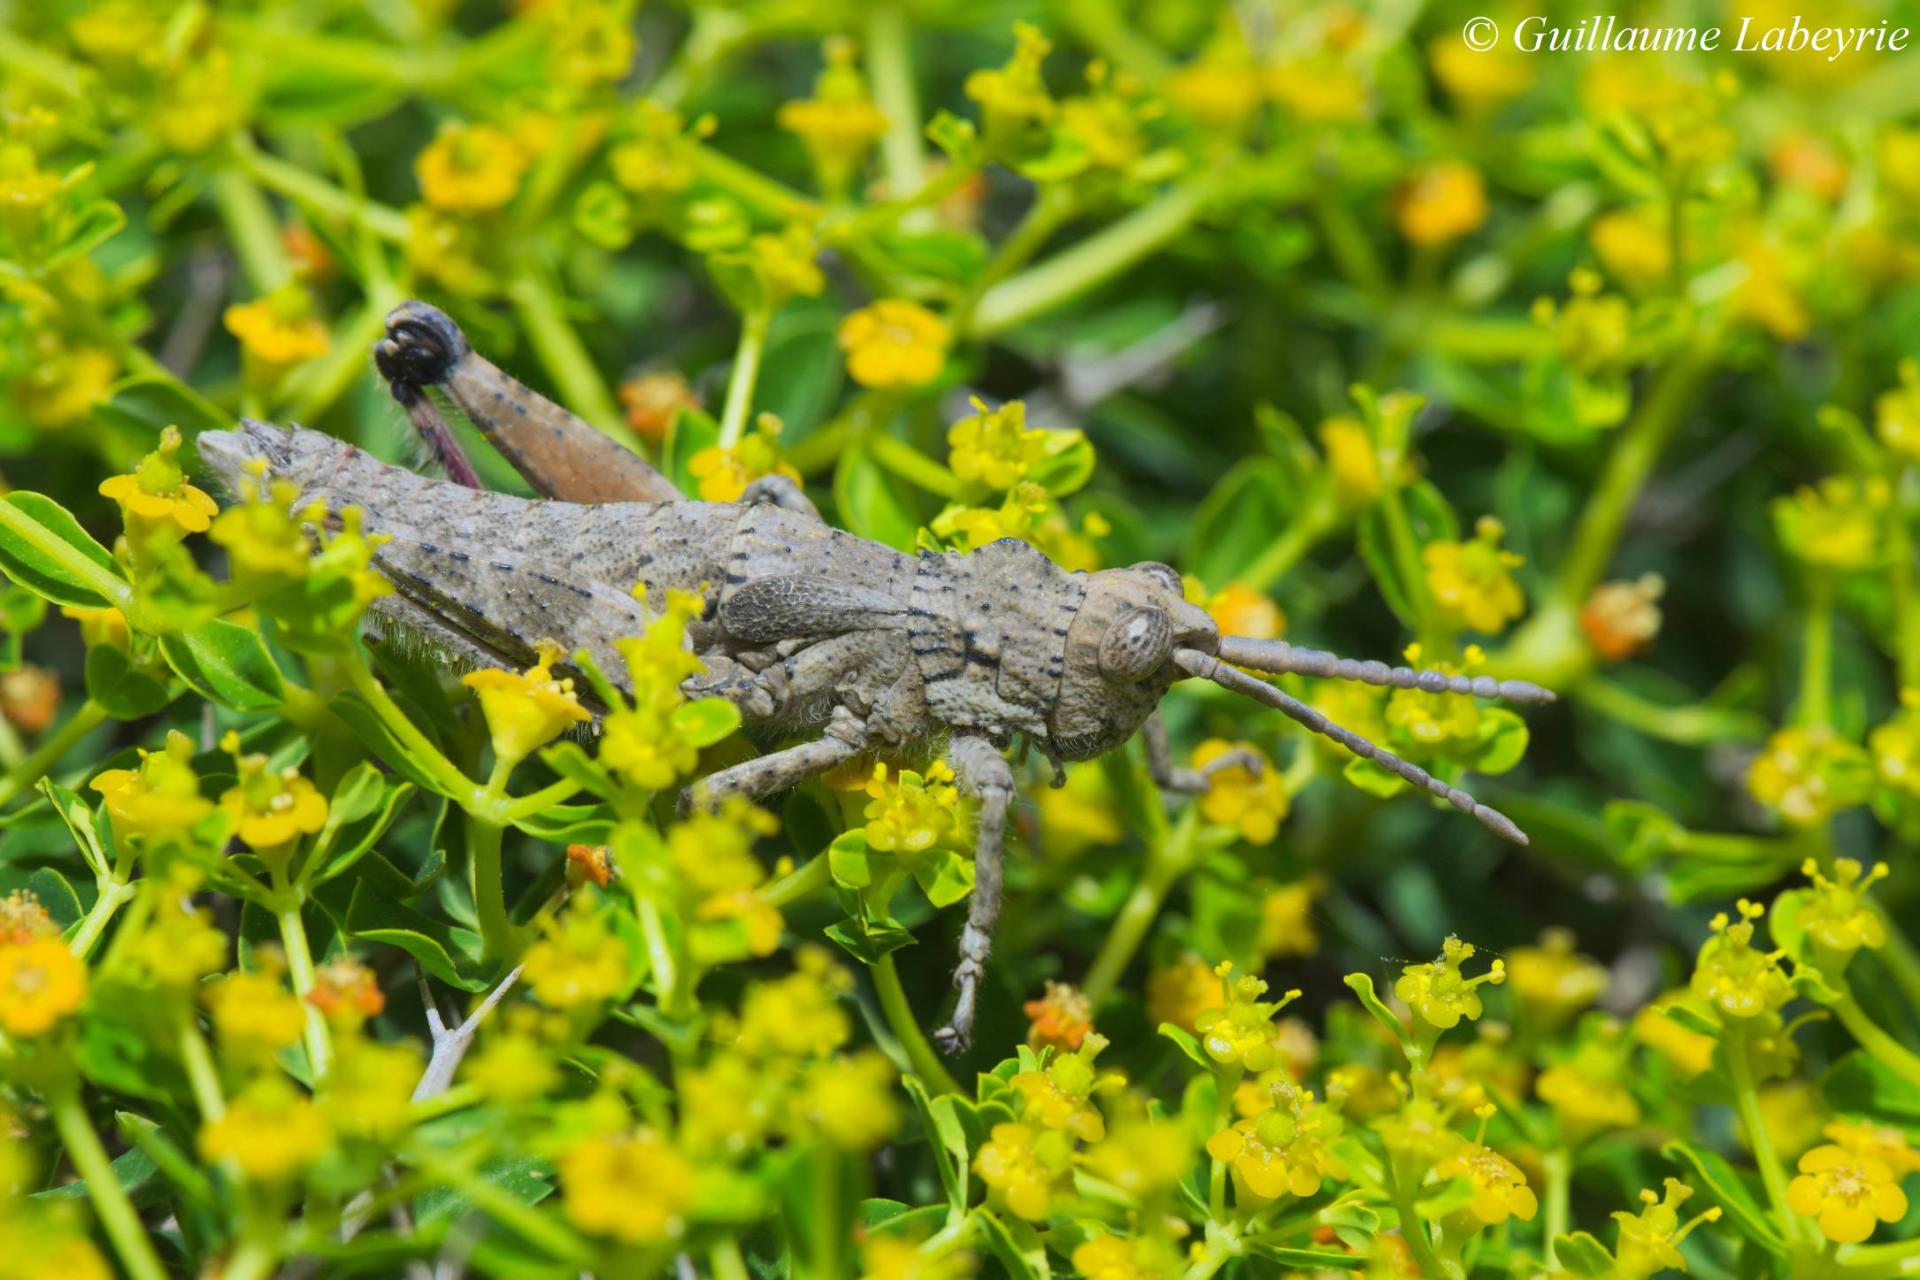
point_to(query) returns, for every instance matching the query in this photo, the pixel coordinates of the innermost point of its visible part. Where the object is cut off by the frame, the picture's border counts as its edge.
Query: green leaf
(373, 731)
(47, 885)
(39, 572)
(525, 1178)
(945, 877)
(1319, 1259)
(227, 663)
(1362, 986)
(1187, 1044)
(1723, 1184)
(868, 940)
(947, 1138)
(123, 690)
(1501, 741)
(134, 1170)
(1583, 1255)
(691, 432)
(571, 824)
(98, 222)
(147, 404)
(705, 721)
(379, 918)
(1860, 1083)
(1240, 519)
(1017, 1246)
(173, 1163)
(1067, 465)
(82, 824)
(364, 804)
(1372, 779)
(870, 504)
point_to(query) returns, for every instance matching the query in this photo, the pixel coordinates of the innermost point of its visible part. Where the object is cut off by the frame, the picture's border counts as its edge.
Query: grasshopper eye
(1136, 644)
(1166, 574)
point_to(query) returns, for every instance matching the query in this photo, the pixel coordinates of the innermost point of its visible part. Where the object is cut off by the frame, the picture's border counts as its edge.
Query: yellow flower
(1622, 618)
(1736, 979)
(1061, 1019)
(588, 44)
(1837, 525)
(1319, 88)
(254, 1013)
(1883, 1142)
(1180, 993)
(41, 982)
(470, 168)
(1650, 1240)
(786, 266)
(157, 493)
(1835, 913)
(346, 993)
(1120, 1258)
(895, 1257)
(1238, 610)
(894, 344)
(1896, 414)
(1552, 981)
(1439, 994)
(526, 711)
(62, 383)
(1472, 582)
(1895, 746)
(1846, 1192)
(1079, 816)
(1428, 719)
(640, 745)
(912, 812)
(800, 1015)
(1286, 919)
(201, 105)
(1222, 88)
(513, 1066)
(713, 861)
(635, 1188)
(724, 472)
(270, 809)
(839, 124)
(1013, 98)
(995, 446)
(656, 162)
(1584, 1105)
(1500, 1190)
(447, 249)
(265, 543)
(1632, 245)
(1480, 79)
(1251, 803)
(1351, 460)
(1060, 1096)
(578, 960)
(652, 401)
(278, 331)
(1142, 1155)
(1690, 1051)
(23, 919)
(100, 626)
(1240, 1029)
(272, 1132)
(369, 1089)
(160, 798)
(1280, 1151)
(1441, 202)
(1026, 1168)
(850, 1100)
(1807, 774)
(1418, 1131)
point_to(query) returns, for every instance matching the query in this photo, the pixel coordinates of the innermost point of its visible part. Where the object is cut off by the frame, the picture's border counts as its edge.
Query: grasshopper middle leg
(983, 771)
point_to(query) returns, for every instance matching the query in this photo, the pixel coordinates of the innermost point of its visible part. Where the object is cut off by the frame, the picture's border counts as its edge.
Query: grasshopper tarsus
(845, 643)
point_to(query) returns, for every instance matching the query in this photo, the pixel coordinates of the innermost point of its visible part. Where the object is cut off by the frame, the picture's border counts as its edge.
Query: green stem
(1093, 261)
(1747, 1102)
(890, 66)
(746, 371)
(565, 356)
(771, 199)
(1629, 462)
(453, 784)
(293, 937)
(253, 1260)
(520, 1217)
(110, 1203)
(726, 1260)
(911, 465)
(1890, 1053)
(1102, 26)
(826, 1212)
(1693, 726)
(801, 882)
(1171, 859)
(661, 957)
(1899, 959)
(1413, 1228)
(113, 895)
(254, 230)
(196, 1059)
(486, 876)
(319, 195)
(524, 807)
(1559, 1170)
(47, 752)
(906, 1028)
(1816, 657)
(1298, 538)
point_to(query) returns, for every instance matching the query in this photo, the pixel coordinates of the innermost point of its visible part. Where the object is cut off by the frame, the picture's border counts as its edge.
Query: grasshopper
(848, 644)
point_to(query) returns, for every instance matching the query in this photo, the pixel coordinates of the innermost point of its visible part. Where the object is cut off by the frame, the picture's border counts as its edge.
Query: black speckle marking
(500, 566)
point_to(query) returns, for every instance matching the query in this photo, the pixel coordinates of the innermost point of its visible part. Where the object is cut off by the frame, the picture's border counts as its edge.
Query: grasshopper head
(1119, 656)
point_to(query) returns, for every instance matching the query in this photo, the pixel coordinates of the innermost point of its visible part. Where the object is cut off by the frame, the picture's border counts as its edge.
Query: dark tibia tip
(421, 347)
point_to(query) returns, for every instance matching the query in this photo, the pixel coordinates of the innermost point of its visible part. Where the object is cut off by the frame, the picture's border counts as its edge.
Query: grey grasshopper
(845, 644)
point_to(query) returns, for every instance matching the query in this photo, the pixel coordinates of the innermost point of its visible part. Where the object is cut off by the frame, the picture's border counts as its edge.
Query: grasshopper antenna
(1205, 666)
(1281, 658)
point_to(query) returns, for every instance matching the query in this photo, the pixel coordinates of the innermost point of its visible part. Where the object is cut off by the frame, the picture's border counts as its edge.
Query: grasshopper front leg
(983, 771)
(845, 738)
(1171, 777)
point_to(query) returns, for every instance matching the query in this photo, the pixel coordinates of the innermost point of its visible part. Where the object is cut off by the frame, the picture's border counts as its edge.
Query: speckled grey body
(844, 641)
